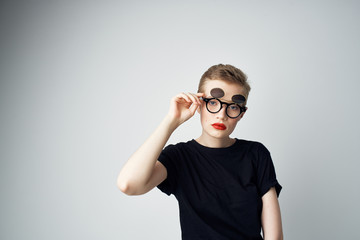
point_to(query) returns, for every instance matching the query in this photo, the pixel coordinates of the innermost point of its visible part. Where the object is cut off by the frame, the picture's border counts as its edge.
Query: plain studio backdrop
(84, 83)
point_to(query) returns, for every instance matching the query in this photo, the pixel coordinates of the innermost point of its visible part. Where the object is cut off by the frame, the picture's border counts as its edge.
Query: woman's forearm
(271, 216)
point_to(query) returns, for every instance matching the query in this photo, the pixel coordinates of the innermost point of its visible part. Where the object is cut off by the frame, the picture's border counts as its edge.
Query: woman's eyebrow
(225, 100)
(228, 101)
(221, 99)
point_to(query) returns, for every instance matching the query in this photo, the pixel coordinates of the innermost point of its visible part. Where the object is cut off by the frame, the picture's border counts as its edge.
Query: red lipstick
(219, 126)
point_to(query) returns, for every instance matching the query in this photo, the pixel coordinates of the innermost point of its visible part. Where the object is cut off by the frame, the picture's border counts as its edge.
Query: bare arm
(142, 171)
(271, 217)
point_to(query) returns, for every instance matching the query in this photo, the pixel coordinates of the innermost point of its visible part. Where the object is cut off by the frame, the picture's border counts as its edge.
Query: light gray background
(83, 84)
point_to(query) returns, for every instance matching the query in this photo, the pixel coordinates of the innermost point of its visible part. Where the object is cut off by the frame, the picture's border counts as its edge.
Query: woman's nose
(222, 113)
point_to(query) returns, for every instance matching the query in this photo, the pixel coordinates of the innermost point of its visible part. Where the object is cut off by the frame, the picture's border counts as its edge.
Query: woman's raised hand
(183, 106)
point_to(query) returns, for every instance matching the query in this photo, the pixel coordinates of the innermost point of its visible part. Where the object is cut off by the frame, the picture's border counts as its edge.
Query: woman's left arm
(271, 217)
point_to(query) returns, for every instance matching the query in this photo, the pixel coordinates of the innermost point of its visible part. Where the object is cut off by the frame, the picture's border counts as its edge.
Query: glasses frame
(207, 100)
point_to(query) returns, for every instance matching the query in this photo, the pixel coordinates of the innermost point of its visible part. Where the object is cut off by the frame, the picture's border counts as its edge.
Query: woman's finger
(183, 96)
(194, 99)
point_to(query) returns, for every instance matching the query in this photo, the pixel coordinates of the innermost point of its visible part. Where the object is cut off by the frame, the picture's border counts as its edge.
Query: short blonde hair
(227, 73)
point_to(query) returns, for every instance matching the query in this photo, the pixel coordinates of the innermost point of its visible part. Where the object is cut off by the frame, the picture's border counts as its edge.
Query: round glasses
(214, 105)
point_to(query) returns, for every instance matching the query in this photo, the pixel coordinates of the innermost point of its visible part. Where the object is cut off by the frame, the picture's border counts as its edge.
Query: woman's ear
(242, 114)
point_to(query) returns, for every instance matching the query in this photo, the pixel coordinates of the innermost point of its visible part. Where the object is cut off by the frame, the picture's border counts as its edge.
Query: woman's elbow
(127, 188)
(123, 186)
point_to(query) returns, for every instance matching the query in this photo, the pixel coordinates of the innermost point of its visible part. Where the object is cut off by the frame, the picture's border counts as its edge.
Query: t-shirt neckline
(194, 142)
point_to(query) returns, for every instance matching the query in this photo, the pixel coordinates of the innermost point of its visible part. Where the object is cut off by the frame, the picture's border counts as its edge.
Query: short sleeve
(265, 172)
(169, 160)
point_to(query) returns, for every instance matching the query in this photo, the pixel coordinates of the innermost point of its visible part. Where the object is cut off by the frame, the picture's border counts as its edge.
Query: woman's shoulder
(251, 145)
(248, 142)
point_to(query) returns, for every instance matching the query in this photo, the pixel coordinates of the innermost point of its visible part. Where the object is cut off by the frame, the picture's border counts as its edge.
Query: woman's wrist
(170, 122)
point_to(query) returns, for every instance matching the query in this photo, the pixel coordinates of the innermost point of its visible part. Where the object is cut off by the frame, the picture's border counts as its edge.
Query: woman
(226, 187)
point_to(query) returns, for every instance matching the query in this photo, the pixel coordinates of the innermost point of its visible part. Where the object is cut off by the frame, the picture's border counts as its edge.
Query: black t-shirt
(219, 190)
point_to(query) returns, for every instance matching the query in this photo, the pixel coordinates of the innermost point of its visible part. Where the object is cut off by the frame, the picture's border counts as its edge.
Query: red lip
(219, 126)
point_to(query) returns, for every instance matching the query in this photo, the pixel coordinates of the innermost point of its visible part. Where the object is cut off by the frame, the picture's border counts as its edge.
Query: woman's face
(219, 125)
